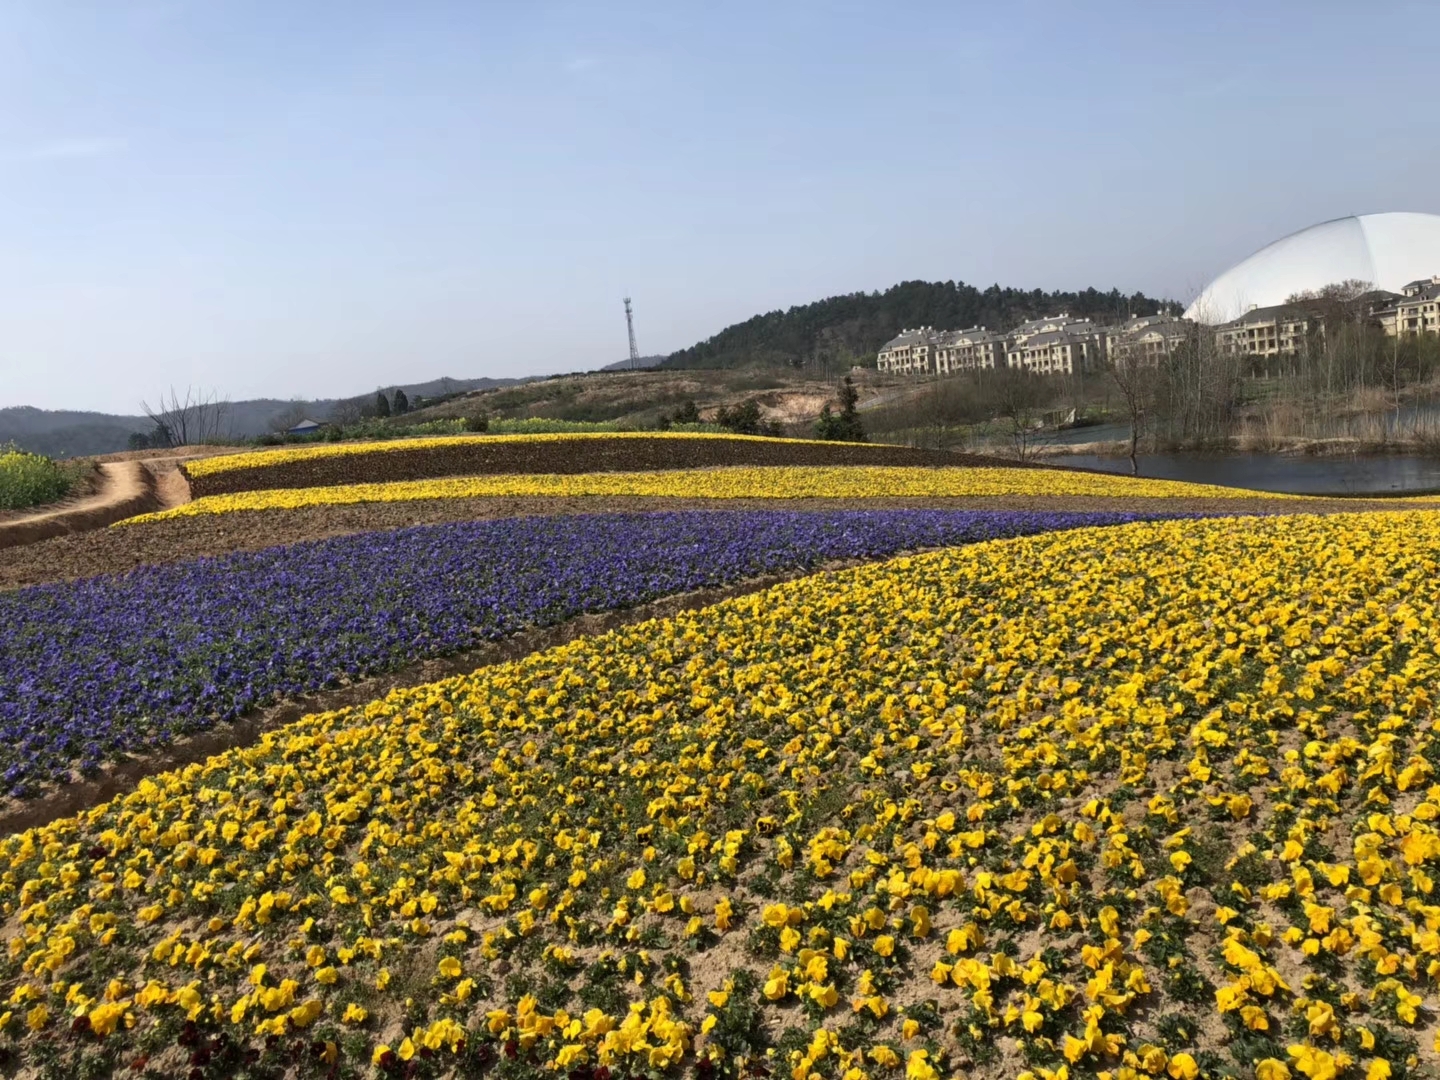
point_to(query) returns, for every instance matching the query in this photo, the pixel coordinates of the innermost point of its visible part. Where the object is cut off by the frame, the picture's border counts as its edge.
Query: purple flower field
(98, 668)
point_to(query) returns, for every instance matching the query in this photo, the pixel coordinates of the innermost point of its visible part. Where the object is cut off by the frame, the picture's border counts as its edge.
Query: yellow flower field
(759, 482)
(312, 451)
(1156, 801)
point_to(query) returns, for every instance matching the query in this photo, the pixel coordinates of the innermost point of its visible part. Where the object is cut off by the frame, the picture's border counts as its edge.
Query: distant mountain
(850, 329)
(624, 365)
(65, 433)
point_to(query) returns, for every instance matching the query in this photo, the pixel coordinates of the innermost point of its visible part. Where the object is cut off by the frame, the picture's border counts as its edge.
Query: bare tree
(1018, 397)
(1135, 377)
(289, 416)
(195, 418)
(349, 411)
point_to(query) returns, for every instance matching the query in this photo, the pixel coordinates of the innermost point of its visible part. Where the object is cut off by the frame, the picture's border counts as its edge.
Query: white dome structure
(1387, 250)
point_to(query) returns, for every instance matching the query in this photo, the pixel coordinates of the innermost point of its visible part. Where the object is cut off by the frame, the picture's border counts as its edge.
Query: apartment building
(911, 353)
(1416, 311)
(975, 349)
(1265, 332)
(1057, 345)
(1148, 339)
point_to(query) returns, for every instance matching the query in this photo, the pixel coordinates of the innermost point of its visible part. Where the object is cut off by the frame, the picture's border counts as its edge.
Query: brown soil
(483, 455)
(184, 453)
(116, 550)
(118, 777)
(126, 488)
(171, 487)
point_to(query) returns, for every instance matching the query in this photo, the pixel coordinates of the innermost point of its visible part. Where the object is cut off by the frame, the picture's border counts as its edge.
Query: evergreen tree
(382, 403)
(846, 426)
(402, 403)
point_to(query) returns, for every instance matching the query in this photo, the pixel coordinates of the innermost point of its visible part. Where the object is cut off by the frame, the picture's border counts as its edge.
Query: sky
(271, 198)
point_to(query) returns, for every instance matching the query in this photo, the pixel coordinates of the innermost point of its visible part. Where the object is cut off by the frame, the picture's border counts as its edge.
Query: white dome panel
(1387, 250)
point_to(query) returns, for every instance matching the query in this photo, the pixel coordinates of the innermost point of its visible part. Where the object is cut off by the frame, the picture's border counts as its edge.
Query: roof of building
(921, 335)
(1424, 295)
(1141, 322)
(305, 425)
(978, 336)
(1273, 313)
(1385, 250)
(1052, 337)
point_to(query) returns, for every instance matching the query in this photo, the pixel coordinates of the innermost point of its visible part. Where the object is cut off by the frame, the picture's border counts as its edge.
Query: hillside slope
(835, 333)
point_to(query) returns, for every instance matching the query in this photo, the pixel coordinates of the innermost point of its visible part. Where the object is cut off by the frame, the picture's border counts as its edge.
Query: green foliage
(159, 438)
(744, 419)
(845, 330)
(382, 403)
(845, 427)
(685, 415)
(401, 405)
(28, 479)
(543, 425)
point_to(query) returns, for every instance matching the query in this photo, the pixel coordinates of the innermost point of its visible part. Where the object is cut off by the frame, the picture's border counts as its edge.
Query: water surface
(1393, 474)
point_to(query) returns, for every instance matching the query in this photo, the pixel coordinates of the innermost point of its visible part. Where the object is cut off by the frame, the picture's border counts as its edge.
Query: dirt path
(126, 488)
(171, 487)
(122, 489)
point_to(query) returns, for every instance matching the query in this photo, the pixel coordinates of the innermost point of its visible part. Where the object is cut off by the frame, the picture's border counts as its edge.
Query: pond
(1393, 474)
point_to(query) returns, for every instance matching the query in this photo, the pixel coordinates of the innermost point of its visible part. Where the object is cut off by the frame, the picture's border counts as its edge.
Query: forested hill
(846, 330)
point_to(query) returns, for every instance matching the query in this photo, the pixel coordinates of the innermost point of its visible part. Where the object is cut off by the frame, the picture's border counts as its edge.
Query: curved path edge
(127, 488)
(118, 778)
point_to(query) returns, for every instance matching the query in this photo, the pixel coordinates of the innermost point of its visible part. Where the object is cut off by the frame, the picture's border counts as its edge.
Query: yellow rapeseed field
(745, 482)
(1154, 802)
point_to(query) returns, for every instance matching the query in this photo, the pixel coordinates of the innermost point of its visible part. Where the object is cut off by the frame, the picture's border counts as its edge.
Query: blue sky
(313, 197)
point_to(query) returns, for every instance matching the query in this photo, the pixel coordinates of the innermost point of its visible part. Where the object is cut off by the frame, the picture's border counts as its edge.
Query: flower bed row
(417, 459)
(772, 482)
(112, 665)
(1148, 802)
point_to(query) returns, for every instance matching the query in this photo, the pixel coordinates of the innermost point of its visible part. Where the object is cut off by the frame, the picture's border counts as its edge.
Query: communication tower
(630, 325)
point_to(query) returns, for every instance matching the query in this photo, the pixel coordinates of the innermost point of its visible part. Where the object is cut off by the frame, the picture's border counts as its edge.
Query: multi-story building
(1148, 339)
(910, 353)
(975, 349)
(1265, 332)
(1416, 311)
(1057, 345)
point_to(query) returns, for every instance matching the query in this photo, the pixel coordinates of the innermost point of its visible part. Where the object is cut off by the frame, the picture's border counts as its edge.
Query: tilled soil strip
(490, 456)
(117, 778)
(111, 551)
